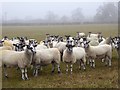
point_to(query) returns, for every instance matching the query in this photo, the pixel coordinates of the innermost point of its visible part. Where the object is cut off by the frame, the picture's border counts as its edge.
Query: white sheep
(5, 48)
(100, 51)
(80, 34)
(106, 41)
(39, 47)
(45, 57)
(72, 54)
(8, 43)
(61, 46)
(21, 59)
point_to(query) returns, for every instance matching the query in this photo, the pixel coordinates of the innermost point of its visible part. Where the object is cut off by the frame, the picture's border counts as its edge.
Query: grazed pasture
(100, 77)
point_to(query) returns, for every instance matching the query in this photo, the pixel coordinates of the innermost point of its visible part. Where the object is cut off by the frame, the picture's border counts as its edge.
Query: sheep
(80, 34)
(100, 51)
(45, 57)
(72, 54)
(106, 41)
(92, 35)
(5, 48)
(39, 47)
(116, 42)
(61, 46)
(21, 59)
(8, 43)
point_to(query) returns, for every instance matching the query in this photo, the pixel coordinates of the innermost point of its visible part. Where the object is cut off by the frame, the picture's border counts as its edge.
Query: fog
(50, 11)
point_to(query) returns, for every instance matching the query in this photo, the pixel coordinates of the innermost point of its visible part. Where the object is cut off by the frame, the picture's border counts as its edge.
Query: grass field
(100, 77)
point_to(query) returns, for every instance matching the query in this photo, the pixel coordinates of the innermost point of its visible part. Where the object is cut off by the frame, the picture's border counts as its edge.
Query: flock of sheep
(54, 49)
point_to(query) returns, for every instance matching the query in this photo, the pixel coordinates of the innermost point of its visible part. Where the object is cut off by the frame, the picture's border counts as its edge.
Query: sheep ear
(28, 46)
(2, 41)
(14, 45)
(18, 37)
(23, 45)
(44, 41)
(88, 42)
(66, 45)
(73, 45)
(35, 45)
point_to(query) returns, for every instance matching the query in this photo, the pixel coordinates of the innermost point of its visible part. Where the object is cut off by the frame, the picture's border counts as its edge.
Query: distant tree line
(106, 13)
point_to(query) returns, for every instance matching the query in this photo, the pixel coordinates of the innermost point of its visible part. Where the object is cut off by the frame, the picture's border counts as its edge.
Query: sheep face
(46, 42)
(31, 49)
(33, 42)
(19, 46)
(86, 44)
(100, 39)
(70, 48)
(116, 42)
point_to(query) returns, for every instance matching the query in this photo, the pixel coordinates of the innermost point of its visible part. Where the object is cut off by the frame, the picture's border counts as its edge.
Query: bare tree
(107, 13)
(77, 15)
(51, 17)
(64, 19)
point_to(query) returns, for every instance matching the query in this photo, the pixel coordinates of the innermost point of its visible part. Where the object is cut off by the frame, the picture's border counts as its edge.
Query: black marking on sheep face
(86, 44)
(31, 48)
(116, 42)
(33, 42)
(19, 47)
(100, 39)
(70, 48)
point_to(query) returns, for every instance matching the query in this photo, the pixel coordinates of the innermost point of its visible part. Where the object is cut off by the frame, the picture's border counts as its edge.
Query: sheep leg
(35, 72)
(103, 60)
(53, 68)
(93, 63)
(58, 69)
(83, 65)
(67, 69)
(71, 68)
(41, 68)
(90, 62)
(106, 61)
(109, 61)
(23, 73)
(5, 71)
(80, 66)
(26, 73)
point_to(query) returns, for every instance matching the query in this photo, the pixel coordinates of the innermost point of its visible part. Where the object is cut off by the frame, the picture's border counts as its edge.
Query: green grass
(38, 32)
(100, 77)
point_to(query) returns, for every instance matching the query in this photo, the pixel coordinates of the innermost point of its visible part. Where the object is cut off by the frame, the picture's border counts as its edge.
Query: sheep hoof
(6, 76)
(84, 69)
(27, 79)
(59, 72)
(106, 65)
(23, 79)
(52, 73)
(35, 75)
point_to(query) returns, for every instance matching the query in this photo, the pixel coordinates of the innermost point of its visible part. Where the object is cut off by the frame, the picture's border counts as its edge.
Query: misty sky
(34, 10)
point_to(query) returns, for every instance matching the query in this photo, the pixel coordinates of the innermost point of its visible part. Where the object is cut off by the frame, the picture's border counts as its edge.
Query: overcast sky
(34, 10)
